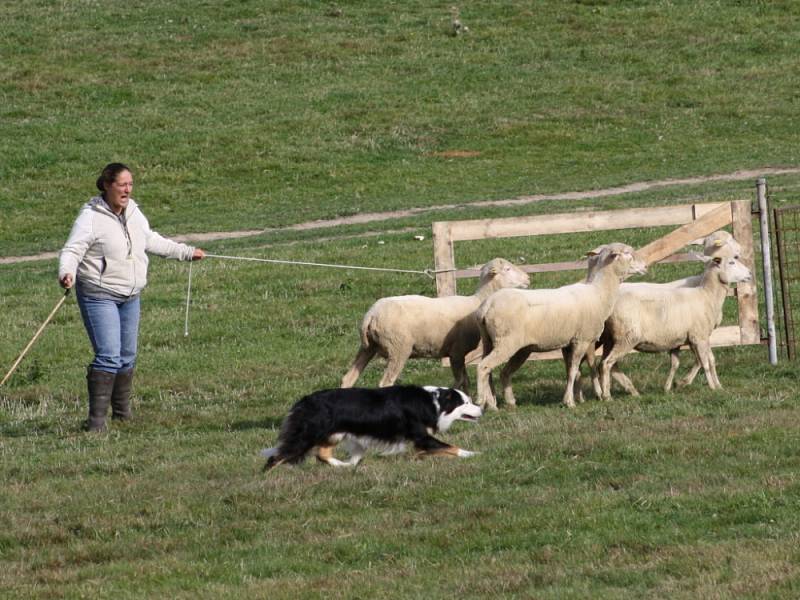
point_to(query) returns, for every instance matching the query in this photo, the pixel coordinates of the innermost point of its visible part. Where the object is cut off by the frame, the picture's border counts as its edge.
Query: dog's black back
(390, 414)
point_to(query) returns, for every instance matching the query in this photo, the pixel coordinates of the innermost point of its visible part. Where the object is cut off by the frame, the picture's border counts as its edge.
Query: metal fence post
(783, 277)
(766, 256)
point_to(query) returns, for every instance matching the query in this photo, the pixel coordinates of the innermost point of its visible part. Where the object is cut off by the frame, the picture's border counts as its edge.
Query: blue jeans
(113, 328)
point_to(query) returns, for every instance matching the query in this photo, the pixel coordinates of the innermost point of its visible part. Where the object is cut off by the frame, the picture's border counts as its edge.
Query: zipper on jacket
(123, 220)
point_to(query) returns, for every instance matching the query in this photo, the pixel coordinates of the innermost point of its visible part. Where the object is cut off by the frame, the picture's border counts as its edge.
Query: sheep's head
(721, 243)
(620, 258)
(729, 269)
(500, 273)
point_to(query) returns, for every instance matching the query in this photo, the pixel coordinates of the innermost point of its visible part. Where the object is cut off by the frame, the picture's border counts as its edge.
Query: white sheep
(515, 323)
(718, 244)
(402, 327)
(662, 319)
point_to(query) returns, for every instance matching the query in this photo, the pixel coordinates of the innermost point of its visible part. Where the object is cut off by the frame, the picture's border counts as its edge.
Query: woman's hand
(198, 254)
(66, 281)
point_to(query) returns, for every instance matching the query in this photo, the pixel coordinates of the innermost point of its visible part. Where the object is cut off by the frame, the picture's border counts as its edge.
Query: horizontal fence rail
(693, 221)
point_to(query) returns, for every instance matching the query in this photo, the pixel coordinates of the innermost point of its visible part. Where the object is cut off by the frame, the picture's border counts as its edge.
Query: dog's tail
(296, 439)
(273, 458)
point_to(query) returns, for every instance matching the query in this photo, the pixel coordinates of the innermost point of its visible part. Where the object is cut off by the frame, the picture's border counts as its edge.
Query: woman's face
(119, 192)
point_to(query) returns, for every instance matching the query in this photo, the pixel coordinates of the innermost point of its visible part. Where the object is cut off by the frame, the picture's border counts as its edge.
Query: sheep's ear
(698, 256)
(492, 267)
(596, 251)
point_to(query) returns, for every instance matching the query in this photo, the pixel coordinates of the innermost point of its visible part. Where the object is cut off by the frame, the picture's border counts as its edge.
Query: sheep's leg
(613, 354)
(675, 362)
(459, 368)
(689, 378)
(394, 366)
(573, 356)
(624, 381)
(713, 364)
(608, 346)
(487, 346)
(594, 373)
(577, 389)
(512, 366)
(702, 351)
(489, 362)
(365, 354)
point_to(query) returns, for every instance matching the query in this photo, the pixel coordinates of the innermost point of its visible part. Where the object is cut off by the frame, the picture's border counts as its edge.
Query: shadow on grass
(29, 428)
(542, 394)
(268, 423)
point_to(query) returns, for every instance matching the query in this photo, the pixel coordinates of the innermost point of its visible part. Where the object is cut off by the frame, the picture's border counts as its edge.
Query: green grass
(242, 115)
(667, 495)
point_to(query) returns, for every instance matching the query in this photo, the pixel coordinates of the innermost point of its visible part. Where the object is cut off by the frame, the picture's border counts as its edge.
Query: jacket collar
(98, 203)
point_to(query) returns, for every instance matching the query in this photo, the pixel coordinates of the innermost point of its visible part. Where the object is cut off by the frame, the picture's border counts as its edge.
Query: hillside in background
(248, 115)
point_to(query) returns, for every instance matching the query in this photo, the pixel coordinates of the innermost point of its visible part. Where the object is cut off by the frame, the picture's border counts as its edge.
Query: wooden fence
(694, 221)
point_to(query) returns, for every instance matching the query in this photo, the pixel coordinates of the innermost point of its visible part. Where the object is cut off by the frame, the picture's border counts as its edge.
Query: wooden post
(444, 259)
(746, 292)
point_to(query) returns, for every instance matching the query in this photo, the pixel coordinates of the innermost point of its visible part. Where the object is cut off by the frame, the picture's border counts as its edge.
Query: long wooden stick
(35, 337)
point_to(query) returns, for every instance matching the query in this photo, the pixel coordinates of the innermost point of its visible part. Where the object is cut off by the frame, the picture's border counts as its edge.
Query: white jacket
(107, 254)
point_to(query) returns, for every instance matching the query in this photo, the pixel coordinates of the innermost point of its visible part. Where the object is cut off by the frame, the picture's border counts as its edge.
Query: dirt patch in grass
(456, 154)
(399, 214)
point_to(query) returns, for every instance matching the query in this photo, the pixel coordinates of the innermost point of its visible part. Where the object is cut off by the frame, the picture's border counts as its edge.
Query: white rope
(188, 299)
(429, 272)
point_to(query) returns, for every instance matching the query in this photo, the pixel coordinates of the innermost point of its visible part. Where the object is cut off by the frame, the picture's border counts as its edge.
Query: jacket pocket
(118, 275)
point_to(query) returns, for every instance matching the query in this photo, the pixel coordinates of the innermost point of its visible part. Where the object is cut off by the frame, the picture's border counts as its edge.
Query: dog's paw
(466, 453)
(335, 462)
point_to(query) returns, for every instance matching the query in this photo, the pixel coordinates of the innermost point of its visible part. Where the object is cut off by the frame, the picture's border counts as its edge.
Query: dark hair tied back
(109, 175)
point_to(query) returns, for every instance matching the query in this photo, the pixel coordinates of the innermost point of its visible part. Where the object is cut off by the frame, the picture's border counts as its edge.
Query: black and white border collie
(384, 418)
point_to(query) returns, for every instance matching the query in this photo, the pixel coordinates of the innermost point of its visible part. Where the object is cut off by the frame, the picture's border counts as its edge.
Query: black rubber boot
(121, 396)
(100, 384)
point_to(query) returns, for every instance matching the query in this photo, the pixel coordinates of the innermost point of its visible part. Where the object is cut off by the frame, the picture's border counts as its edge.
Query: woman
(105, 258)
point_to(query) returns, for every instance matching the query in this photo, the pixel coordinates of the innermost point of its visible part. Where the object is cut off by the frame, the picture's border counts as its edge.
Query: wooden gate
(694, 221)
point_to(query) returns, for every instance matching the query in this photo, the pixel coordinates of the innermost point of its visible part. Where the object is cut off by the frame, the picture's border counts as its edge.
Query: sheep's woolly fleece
(412, 326)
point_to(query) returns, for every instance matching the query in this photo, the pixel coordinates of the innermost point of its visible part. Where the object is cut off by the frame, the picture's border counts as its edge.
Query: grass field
(245, 115)
(259, 114)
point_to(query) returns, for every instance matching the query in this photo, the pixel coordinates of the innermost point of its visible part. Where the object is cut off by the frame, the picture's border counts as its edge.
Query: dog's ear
(434, 391)
(449, 399)
(452, 395)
